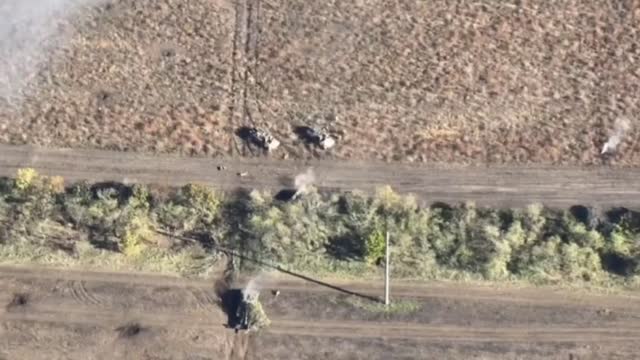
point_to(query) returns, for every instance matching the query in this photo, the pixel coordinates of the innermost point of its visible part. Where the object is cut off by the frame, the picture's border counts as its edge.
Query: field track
(506, 186)
(64, 307)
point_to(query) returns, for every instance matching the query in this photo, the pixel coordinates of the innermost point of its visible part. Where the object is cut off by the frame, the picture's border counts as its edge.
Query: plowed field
(430, 81)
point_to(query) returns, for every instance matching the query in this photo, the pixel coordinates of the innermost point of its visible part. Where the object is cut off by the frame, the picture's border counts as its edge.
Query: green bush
(193, 207)
(101, 215)
(374, 247)
(175, 217)
(134, 226)
(621, 251)
(294, 232)
(411, 236)
(138, 234)
(622, 242)
(140, 198)
(580, 263)
(542, 262)
(32, 200)
(203, 200)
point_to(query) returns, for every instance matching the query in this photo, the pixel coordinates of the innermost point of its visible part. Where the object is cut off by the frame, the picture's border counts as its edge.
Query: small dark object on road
(130, 330)
(275, 292)
(18, 300)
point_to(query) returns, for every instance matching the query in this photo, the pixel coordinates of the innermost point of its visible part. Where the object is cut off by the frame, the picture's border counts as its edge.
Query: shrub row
(535, 243)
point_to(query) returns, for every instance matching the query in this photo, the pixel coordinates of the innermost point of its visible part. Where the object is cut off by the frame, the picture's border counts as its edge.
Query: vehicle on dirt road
(249, 314)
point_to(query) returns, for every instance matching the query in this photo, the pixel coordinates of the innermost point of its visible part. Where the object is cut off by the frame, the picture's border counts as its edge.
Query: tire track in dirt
(80, 293)
(617, 332)
(203, 298)
(206, 308)
(453, 333)
(255, 70)
(249, 36)
(250, 76)
(202, 291)
(240, 7)
(253, 53)
(239, 347)
(492, 186)
(69, 340)
(245, 43)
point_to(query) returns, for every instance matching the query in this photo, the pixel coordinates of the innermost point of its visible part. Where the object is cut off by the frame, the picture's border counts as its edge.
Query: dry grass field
(433, 81)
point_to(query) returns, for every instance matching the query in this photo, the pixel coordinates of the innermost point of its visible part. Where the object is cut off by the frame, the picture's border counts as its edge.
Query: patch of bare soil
(277, 347)
(434, 309)
(416, 81)
(310, 321)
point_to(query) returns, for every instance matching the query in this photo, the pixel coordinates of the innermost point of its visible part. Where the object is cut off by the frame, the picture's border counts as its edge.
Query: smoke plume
(29, 30)
(304, 181)
(620, 128)
(253, 287)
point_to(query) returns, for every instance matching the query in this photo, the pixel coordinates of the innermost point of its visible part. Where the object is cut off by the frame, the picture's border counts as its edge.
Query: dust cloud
(304, 181)
(29, 30)
(253, 287)
(620, 128)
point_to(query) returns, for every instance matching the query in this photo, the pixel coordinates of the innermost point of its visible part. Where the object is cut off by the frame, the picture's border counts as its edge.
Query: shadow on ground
(220, 287)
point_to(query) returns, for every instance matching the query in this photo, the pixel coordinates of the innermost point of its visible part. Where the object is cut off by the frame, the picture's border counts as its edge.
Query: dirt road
(84, 315)
(507, 186)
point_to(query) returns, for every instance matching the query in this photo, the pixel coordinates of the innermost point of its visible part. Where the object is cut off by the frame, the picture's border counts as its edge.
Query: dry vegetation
(487, 81)
(133, 75)
(475, 81)
(339, 234)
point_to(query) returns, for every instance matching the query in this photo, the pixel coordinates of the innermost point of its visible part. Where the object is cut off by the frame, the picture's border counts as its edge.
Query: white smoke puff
(29, 29)
(252, 290)
(620, 128)
(304, 181)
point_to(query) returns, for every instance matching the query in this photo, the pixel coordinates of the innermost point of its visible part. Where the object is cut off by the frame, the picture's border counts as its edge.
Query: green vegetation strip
(113, 226)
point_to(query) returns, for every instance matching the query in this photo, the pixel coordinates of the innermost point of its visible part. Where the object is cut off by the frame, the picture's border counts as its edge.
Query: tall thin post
(386, 271)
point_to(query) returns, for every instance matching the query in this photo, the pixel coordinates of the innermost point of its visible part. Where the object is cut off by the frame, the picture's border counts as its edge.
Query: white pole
(386, 271)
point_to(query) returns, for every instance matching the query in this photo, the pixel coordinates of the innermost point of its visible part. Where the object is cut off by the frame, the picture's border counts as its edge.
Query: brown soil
(85, 315)
(481, 82)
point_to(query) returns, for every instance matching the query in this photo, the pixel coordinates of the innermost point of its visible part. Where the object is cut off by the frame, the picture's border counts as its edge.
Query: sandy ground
(415, 81)
(498, 185)
(85, 315)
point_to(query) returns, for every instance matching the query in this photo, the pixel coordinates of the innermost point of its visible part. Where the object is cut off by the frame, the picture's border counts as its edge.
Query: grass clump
(395, 307)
